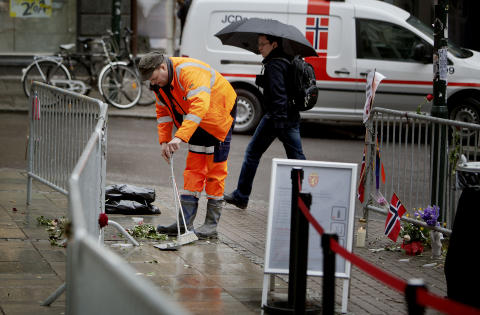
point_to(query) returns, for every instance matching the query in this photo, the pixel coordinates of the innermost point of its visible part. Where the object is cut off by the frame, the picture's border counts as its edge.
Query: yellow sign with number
(30, 8)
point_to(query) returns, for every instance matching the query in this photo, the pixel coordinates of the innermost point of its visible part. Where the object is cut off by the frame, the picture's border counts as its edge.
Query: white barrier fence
(98, 280)
(60, 124)
(68, 142)
(405, 142)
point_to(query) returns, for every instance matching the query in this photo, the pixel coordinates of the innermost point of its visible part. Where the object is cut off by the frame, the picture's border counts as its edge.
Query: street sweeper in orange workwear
(201, 104)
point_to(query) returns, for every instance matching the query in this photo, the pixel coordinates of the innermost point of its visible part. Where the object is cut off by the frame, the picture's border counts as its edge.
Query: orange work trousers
(202, 172)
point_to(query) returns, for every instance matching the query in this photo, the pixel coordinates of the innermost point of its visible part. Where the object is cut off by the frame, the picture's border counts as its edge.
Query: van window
(428, 30)
(385, 41)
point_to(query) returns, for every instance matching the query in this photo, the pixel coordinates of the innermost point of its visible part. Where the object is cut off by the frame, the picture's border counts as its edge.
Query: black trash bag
(129, 192)
(130, 207)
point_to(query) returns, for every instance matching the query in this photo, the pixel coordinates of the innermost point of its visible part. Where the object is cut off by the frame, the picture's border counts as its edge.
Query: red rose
(429, 97)
(102, 220)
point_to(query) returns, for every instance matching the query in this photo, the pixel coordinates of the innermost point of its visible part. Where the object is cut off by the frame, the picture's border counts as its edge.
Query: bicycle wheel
(81, 72)
(148, 96)
(119, 85)
(46, 71)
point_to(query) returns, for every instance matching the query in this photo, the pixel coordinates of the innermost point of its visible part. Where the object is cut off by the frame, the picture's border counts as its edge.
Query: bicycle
(147, 96)
(118, 83)
(70, 70)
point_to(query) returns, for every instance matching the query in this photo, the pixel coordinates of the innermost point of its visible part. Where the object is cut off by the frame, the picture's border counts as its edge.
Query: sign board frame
(333, 189)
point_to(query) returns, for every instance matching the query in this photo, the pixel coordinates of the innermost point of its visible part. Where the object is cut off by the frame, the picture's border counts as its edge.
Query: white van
(351, 37)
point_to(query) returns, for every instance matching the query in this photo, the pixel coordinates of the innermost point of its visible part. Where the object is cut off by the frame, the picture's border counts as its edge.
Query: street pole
(439, 108)
(134, 27)
(116, 20)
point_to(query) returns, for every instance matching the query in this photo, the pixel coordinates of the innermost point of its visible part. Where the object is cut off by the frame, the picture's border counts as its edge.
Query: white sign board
(332, 186)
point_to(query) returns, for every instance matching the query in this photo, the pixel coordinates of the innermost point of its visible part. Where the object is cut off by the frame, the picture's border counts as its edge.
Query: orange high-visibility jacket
(201, 97)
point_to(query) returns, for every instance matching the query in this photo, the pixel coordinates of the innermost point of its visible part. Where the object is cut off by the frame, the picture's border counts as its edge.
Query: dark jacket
(275, 90)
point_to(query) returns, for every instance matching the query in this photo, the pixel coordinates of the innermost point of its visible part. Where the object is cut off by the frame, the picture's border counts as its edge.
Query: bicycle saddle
(67, 46)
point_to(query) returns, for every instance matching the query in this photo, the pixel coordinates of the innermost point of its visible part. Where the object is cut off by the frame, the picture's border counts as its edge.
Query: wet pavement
(223, 276)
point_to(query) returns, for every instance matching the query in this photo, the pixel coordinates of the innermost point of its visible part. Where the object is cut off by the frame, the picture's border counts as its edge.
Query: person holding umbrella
(280, 121)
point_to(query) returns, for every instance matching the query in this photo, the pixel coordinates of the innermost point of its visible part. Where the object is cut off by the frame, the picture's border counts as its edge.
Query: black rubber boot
(209, 227)
(189, 206)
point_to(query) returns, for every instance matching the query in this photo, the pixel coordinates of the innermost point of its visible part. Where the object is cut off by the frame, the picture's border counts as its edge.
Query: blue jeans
(263, 137)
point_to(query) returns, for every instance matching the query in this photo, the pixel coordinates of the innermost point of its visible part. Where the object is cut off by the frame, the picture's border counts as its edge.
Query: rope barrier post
(328, 300)
(301, 258)
(296, 175)
(411, 289)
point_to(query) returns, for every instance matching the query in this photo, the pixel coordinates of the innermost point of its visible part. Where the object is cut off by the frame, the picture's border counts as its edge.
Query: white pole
(170, 27)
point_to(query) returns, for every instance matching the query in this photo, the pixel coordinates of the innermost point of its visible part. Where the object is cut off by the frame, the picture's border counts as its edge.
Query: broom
(188, 236)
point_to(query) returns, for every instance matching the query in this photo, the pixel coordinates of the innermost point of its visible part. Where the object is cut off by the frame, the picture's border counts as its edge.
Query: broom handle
(178, 204)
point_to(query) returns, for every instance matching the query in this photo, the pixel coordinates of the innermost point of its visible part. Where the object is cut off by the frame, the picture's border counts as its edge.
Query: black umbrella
(244, 34)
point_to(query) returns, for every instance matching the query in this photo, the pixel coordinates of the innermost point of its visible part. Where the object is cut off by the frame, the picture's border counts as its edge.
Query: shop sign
(30, 8)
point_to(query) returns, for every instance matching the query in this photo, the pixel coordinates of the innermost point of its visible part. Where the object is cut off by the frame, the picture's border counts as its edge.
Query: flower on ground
(413, 248)
(102, 220)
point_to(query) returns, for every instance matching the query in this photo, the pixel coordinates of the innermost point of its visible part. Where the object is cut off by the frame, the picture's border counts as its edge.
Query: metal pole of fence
(296, 175)
(328, 303)
(31, 142)
(439, 108)
(413, 307)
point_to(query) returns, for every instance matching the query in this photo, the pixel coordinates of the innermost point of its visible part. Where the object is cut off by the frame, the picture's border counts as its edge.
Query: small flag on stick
(395, 212)
(361, 186)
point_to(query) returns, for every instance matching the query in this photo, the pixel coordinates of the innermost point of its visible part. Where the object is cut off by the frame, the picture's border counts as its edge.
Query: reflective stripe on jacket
(197, 96)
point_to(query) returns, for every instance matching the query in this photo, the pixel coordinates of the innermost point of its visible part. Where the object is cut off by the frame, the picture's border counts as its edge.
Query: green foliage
(57, 229)
(146, 231)
(413, 233)
(454, 153)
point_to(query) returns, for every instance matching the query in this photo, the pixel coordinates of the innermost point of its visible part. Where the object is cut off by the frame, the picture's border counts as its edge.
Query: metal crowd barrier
(60, 124)
(98, 280)
(66, 128)
(405, 144)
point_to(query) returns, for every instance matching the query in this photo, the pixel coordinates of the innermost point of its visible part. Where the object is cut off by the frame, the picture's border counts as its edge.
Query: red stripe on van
(238, 75)
(320, 66)
(464, 84)
(319, 7)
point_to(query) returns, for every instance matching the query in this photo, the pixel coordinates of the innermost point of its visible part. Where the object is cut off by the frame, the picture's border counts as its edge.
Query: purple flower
(429, 215)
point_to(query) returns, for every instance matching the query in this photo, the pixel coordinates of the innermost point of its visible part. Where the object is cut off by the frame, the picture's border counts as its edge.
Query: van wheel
(466, 110)
(249, 111)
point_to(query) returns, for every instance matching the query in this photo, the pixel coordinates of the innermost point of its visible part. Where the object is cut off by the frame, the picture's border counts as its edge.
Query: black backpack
(304, 91)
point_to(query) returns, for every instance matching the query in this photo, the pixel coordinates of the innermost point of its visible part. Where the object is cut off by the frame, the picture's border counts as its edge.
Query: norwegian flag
(395, 212)
(361, 186)
(316, 31)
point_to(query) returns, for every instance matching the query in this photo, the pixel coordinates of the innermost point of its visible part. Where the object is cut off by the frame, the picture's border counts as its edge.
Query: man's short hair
(149, 63)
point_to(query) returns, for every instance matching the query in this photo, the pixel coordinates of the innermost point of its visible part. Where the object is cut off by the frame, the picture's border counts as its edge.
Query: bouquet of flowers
(429, 215)
(414, 238)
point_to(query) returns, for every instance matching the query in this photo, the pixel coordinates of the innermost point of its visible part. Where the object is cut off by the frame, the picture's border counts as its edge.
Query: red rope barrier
(443, 304)
(424, 297)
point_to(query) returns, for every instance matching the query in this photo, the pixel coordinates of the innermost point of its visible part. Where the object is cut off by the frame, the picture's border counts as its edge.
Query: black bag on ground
(130, 207)
(129, 192)
(304, 93)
